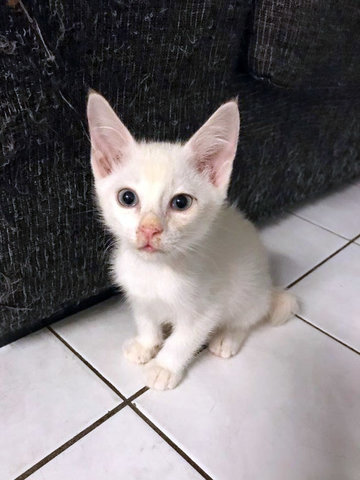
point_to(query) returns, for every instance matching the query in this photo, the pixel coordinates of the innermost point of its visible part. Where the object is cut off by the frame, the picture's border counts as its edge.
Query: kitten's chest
(148, 280)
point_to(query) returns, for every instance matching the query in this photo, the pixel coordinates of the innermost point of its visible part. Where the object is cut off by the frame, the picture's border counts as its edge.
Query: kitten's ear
(110, 139)
(213, 146)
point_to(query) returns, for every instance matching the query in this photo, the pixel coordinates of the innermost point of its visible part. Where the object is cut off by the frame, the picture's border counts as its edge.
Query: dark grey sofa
(165, 66)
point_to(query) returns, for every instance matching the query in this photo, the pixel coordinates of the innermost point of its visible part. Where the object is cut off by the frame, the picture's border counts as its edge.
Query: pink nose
(149, 231)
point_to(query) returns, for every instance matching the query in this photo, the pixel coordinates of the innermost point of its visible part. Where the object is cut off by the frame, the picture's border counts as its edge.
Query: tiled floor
(287, 407)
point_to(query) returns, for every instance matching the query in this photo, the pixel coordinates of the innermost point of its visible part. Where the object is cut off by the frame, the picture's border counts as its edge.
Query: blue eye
(128, 198)
(181, 202)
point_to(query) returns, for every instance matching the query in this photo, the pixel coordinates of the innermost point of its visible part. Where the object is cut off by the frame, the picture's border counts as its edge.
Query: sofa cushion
(306, 43)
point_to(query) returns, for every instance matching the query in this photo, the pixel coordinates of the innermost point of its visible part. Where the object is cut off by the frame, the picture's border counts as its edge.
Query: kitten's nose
(150, 226)
(150, 232)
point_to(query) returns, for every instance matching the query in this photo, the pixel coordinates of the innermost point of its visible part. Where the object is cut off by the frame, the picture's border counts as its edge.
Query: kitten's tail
(283, 306)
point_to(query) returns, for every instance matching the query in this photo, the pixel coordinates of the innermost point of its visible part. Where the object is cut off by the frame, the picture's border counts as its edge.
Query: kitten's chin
(148, 248)
(150, 252)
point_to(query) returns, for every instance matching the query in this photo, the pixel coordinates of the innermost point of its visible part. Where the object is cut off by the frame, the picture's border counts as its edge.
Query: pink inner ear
(213, 165)
(100, 165)
(110, 144)
(110, 139)
(206, 166)
(214, 144)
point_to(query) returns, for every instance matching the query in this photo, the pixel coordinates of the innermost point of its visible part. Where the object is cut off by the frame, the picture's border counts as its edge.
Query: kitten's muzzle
(149, 232)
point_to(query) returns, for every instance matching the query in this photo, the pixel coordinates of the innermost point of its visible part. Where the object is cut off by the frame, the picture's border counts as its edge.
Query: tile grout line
(137, 394)
(88, 364)
(317, 225)
(172, 444)
(126, 401)
(71, 442)
(327, 334)
(97, 373)
(349, 242)
(81, 435)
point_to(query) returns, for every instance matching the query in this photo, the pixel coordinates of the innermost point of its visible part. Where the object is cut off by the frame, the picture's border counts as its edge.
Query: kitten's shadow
(167, 329)
(279, 264)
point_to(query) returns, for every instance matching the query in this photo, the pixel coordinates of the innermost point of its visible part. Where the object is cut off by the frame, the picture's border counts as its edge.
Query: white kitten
(183, 256)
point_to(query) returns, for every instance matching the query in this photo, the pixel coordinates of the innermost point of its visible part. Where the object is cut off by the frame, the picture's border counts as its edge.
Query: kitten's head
(160, 198)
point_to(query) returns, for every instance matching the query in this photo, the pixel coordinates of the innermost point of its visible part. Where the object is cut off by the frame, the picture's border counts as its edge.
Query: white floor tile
(338, 212)
(98, 334)
(47, 396)
(288, 406)
(295, 246)
(330, 296)
(124, 447)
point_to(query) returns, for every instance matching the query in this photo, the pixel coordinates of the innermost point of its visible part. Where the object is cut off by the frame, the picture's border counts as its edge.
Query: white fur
(210, 278)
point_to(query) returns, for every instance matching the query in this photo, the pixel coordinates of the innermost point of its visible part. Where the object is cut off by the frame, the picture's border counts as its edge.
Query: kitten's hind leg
(226, 342)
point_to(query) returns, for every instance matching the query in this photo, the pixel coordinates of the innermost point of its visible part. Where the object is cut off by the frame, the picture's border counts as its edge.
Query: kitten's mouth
(149, 248)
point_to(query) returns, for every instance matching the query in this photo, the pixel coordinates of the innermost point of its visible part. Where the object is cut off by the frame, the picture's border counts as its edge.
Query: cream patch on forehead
(156, 171)
(158, 163)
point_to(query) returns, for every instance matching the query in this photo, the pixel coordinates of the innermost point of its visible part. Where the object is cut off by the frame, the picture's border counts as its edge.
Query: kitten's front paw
(135, 352)
(160, 378)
